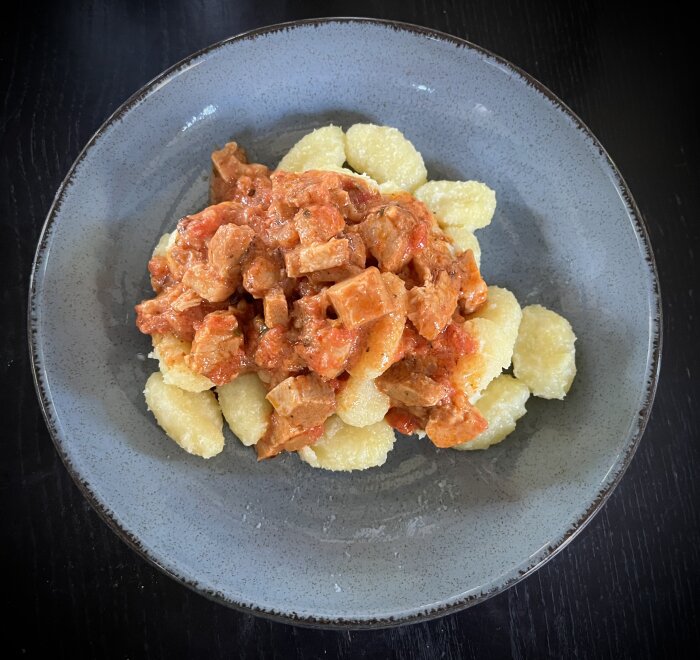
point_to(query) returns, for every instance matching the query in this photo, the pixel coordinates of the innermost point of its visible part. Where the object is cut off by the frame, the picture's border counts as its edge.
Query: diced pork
(453, 423)
(407, 387)
(318, 223)
(217, 348)
(306, 400)
(319, 256)
(430, 307)
(361, 299)
(275, 308)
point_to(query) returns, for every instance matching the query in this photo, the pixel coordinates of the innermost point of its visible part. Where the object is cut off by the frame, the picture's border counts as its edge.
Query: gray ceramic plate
(431, 531)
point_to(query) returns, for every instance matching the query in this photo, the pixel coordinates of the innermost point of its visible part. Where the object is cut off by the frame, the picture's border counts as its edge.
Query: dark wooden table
(627, 587)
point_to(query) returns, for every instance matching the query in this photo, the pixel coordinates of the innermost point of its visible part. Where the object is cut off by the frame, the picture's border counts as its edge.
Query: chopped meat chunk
(233, 178)
(306, 400)
(319, 256)
(405, 386)
(174, 311)
(393, 234)
(361, 299)
(262, 272)
(202, 279)
(318, 223)
(358, 251)
(473, 291)
(337, 274)
(217, 348)
(283, 435)
(275, 308)
(453, 423)
(430, 307)
(226, 248)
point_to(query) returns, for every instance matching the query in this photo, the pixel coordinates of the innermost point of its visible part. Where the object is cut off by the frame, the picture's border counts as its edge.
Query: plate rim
(429, 611)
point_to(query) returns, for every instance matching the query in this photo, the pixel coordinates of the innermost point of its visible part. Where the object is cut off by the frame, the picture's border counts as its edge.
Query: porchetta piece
(395, 231)
(318, 256)
(325, 344)
(361, 299)
(407, 386)
(306, 400)
(217, 278)
(217, 348)
(283, 435)
(430, 307)
(454, 422)
(233, 178)
(174, 311)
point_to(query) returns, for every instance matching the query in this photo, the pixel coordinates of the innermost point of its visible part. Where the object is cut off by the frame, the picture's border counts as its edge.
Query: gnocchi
(361, 403)
(502, 404)
(464, 240)
(321, 149)
(344, 448)
(386, 155)
(246, 410)
(545, 357)
(192, 419)
(467, 204)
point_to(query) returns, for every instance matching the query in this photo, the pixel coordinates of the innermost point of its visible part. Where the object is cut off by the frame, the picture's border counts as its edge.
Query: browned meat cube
(318, 223)
(452, 423)
(393, 235)
(337, 274)
(306, 400)
(262, 273)
(217, 348)
(233, 178)
(275, 308)
(430, 307)
(404, 385)
(361, 299)
(226, 248)
(319, 256)
(473, 291)
(204, 281)
(358, 251)
(284, 435)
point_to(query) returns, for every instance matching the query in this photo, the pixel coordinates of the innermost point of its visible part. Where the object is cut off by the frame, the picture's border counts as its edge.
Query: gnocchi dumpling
(476, 370)
(192, 419)
(464, 240)
(360, 403)
(545, 357)
(318, 150)
(386, 155)
(468, 204)
(245, 407)
(170, 353)
(504, 310)
(502, 404)
(346, 448)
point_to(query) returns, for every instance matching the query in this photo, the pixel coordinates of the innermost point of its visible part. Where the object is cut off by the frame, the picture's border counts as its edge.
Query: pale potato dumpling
(347, 172)
(502, 404)
(476, 370)
(544, 357)
(390, 188)
(162, 246)
(464, 240)
(360, 403)
(504, 310)
(345, 448)
(385, 154)
(468, 204)
(318, 150)
(170, 353)
(245, 407)
(192, 419)
(385, 334)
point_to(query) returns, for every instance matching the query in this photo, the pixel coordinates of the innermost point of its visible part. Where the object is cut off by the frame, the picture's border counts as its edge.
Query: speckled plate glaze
(433, 530)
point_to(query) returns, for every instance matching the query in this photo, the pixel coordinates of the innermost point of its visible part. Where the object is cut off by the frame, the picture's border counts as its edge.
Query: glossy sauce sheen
(286, 274)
